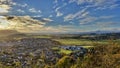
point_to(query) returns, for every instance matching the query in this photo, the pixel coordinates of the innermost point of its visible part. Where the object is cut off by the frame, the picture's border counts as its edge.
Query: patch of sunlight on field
(87, 46)
(59, 50)
(79, 42)
(65, 51)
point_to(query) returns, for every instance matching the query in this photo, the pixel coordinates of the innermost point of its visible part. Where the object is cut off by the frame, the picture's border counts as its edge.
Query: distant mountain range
(103, 31)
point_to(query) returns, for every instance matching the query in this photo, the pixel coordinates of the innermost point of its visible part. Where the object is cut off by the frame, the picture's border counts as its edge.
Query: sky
(66, 15)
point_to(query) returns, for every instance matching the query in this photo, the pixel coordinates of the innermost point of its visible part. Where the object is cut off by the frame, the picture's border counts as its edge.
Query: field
(80, 42)
(49, 51)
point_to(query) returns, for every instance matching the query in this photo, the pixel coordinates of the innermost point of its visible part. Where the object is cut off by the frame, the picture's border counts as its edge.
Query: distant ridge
(8, 32)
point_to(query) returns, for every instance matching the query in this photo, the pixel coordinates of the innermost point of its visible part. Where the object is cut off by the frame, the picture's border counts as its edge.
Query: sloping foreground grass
(99, 56)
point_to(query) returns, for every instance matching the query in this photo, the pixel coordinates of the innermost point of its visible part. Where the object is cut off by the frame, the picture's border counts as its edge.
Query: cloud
(5, 1)
(3, 23)
(47, 20)
(5, 6)
(20, 6)
(87, 20)
(23, 5)
(95, 2)
(27, 24)
(69, 29)
(91, 19)
(59, 14)
(104, 24)
(37, 16)
(20, 23)
(100, 4)
(33, 10)
(21, 11)
(56, 29)
(80, 14)
(4, 9)
(84, 15)
(1, 17)
(57, 10)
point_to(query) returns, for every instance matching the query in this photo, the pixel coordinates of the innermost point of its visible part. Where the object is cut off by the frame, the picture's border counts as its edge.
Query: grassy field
(59, 50)
(80, 42)
(84, 43)
(65, 51)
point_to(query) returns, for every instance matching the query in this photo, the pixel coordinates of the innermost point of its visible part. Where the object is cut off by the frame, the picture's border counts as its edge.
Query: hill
(7, 32)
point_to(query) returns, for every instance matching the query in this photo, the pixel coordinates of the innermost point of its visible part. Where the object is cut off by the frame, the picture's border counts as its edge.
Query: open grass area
(80, 42)
(65, 51)
(59, 50)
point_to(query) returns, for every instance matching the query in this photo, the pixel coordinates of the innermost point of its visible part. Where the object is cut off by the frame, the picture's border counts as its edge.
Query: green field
(84, 43)
(80, 42)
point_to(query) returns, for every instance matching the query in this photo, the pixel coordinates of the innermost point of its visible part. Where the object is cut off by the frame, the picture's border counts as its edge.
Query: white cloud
(22, 23)
(87, 20)
(21, 11)
(83, 15)
(5, 1)
(24, 5)
(20, 5)
(33, 10)
(57, 10)
(2, 17)
(107, 7)
(3, 23)
(104, 24)
(100, 4)
(59, 14)
(106, 17)
(96, 2)
(27, 24)
(47, 19)
(4, 8)
(80, 14)
(90, 19)
(37, 16)
(7, 6)
(69, 17)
